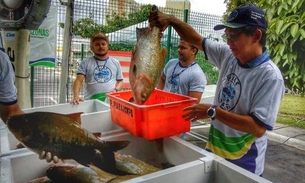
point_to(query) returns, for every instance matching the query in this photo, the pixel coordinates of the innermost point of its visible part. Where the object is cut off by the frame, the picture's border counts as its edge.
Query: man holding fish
(249, 89)
(101, 72)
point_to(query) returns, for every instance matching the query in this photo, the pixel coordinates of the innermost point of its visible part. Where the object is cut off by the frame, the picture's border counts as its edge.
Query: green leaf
(279, 25)
(279, 9)
(296, 2)
(285, 27)
(302, 32)
(281, 49)
(294, 29)
(285, 6)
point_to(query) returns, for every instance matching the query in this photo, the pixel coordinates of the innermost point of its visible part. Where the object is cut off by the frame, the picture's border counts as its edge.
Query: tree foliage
(286, 37)
(85, 27)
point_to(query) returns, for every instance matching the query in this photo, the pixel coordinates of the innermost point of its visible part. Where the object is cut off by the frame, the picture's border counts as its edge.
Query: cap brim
(230, 25)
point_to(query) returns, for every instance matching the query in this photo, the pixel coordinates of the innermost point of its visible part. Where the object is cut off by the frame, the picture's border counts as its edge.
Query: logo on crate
(122, 108)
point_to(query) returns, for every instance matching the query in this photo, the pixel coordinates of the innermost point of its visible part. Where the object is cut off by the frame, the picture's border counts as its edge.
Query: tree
(286, 37)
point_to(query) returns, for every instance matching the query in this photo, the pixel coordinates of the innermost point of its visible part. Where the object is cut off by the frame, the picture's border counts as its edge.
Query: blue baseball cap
(244, 16)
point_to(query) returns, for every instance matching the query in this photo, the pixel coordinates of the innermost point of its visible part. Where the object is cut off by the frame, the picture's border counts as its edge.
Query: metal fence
(46, 81)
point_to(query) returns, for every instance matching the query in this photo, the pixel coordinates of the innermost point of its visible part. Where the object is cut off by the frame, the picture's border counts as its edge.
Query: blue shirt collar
(264, 57)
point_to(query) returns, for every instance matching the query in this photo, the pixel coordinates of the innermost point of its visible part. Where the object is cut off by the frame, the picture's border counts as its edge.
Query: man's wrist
(212, 112)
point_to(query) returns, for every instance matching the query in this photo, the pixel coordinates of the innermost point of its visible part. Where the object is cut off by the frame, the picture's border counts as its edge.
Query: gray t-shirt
(8, 91)
(182, 80)
(100, 75)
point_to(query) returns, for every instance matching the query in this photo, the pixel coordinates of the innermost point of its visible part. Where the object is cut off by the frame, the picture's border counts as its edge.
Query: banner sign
(43, 41)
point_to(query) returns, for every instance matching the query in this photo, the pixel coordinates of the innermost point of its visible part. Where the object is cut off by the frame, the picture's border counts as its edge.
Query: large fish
(63, 137)
(76, 173)
(147, 62)
(131, 165)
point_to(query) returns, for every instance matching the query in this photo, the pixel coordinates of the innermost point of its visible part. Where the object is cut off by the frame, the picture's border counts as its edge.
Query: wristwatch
(212, 112)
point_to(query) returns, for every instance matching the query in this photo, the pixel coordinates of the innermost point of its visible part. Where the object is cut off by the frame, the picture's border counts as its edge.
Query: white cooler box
(191, 163)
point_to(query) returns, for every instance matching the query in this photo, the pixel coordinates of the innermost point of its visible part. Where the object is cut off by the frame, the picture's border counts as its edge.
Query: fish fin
(164, 52)
(97, 134)
(104, 176)
(75, 117)
(131, 100)
(19, 145)
(104, 157)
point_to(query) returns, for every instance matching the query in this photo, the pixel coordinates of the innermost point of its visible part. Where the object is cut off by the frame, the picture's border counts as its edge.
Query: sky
(215, 7)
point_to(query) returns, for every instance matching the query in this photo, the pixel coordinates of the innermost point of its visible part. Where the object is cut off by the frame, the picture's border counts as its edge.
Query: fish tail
(154, 8)
(141, 31)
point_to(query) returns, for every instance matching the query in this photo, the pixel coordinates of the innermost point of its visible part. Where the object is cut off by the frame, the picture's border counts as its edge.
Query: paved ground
(285, 157)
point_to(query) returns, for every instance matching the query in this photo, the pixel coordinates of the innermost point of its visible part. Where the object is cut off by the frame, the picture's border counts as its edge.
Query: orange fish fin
(164, 52)
(75, 117)
(97, 134)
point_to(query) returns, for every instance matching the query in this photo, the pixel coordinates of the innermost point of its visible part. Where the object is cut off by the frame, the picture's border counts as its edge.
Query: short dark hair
(249, 30)
(193, 47)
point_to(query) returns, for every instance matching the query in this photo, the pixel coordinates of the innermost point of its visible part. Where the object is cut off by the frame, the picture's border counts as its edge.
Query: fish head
(142, 89)
(20, 126)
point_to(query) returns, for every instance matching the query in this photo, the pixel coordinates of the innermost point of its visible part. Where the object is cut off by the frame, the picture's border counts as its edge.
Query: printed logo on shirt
(102, 74)
(230, 93)
(174, 83)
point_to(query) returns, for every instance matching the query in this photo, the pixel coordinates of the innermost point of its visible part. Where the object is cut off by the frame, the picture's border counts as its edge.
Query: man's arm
(9, 110)
(161, 82)
(119, 85)
(196, 95)
(76, 88)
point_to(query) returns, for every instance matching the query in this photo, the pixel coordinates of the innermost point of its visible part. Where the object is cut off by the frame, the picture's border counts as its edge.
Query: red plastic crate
(160, 116)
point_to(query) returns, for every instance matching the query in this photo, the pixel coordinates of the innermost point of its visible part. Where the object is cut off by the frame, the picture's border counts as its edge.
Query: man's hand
(159, 19)
(76, 100)
(48, 157)
(196, 111)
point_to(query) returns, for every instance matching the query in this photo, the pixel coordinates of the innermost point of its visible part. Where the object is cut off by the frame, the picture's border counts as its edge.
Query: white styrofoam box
(210, 88)
(207, 97)
(96, 117)
(208, 94)
(88, 106)
(192, 164)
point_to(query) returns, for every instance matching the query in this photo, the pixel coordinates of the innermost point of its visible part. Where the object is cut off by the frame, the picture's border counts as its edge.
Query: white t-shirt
(181, 79)
(100, 75)
(8, 91)
(254, 89)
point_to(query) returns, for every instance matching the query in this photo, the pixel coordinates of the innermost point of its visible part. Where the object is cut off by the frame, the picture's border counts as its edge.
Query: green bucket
(99, 96)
